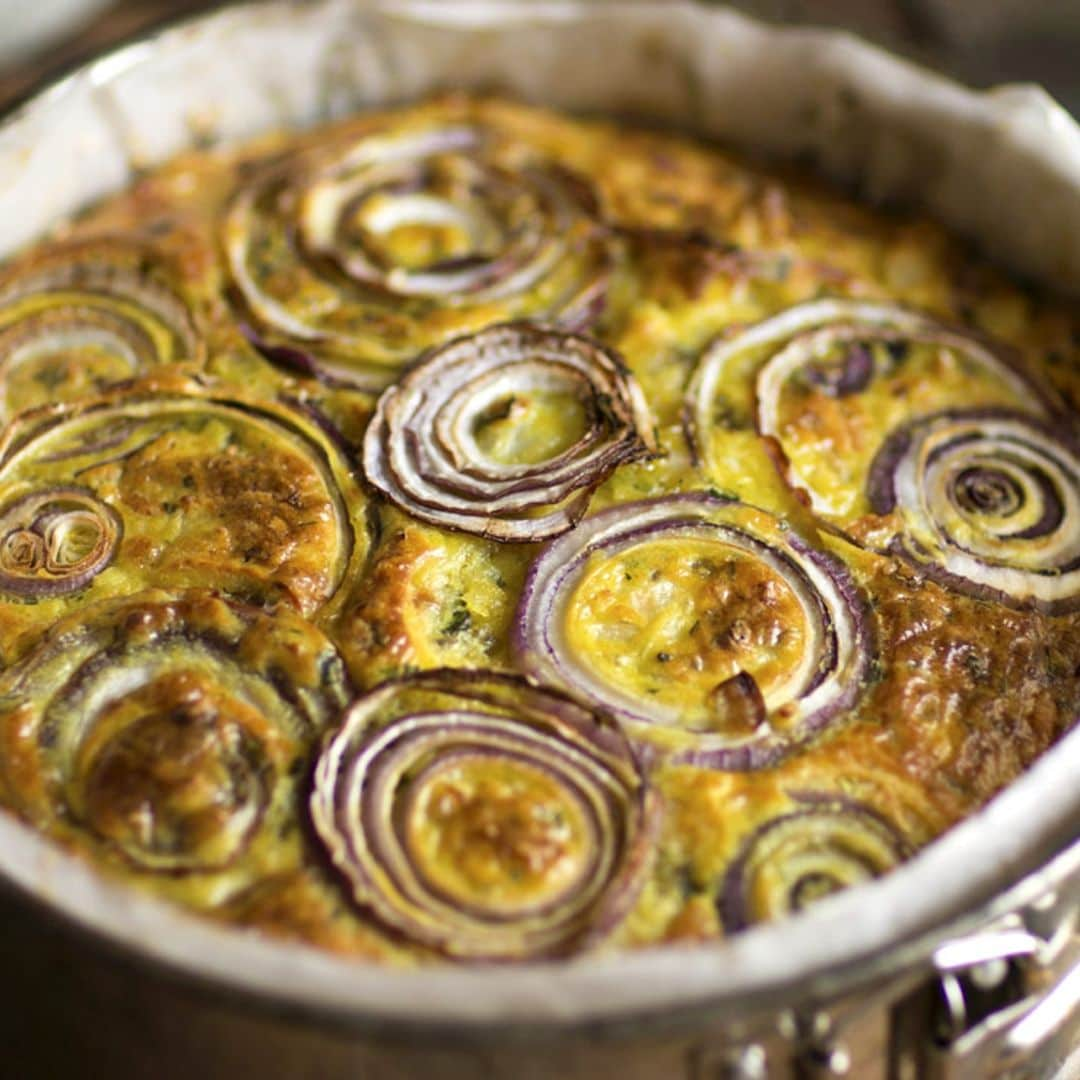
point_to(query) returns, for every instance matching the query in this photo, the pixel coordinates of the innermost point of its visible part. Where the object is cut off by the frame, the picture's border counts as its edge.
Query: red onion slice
(989, 503)
(827, 843)
(87, 314)
(363, 254)
(169, 730)
(711, 585)
(298, 361)
(483, 816)
(55, 542)
(847, 350)
(421, 450)
(433, 180)
(178, 489)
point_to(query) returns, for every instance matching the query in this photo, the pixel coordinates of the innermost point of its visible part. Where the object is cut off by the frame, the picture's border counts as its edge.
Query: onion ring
(167, 728)
(989, 504)
(421, 449)
(86, 315)
(736, 615)
(483, 816)
(55, 542)
(360, 255)
(828, 843)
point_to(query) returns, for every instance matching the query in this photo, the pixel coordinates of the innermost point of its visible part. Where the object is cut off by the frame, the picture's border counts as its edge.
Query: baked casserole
(472, 532)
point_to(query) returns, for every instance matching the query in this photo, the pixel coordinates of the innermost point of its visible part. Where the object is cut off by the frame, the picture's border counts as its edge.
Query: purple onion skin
(43, 588)
(288, 357)
(323, 423)
(751, 757)
(732, 903)
(853, 377)
(510, 696)
(292, 359)
(1053, 513)
(626, 886)
(881, 494)
(296, 361)
(766, 751)
(981, 490)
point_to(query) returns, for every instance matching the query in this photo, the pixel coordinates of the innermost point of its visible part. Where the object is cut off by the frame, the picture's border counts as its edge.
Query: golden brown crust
(256, 497)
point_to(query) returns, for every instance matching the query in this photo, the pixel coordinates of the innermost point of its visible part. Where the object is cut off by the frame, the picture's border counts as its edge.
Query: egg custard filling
(469, 533)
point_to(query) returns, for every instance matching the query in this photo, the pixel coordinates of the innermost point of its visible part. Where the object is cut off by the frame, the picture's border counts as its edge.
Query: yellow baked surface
(472, 532)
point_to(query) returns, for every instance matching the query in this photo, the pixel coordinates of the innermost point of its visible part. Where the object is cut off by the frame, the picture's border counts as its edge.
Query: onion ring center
(55, 542)
(419, 231)
(988, 491)
(498, 835)
(671, 619)
(527, 413)
(172, 774)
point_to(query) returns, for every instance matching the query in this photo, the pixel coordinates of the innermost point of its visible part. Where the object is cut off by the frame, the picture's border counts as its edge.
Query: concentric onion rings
(749, 719)
(989, 503)
(828, 843)
(188, 489)
(55, 542)
(483, 816)
(101, 308)
(172, 729)
(794, 350)
(420, 450)
(310, 247)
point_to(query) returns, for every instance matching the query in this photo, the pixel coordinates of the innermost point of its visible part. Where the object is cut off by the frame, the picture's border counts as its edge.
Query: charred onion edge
(1034, 587)
(410, 457)
(588, 744)
(733, 903)
(541, 655)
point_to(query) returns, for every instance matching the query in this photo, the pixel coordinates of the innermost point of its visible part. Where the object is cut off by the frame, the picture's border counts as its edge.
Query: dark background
(982, 42)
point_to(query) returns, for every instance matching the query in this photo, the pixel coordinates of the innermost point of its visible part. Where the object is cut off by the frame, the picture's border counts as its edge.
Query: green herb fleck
(460, 620)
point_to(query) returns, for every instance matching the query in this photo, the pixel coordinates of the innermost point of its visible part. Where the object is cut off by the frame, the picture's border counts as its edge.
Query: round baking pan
(114, 982)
